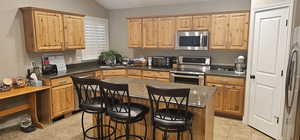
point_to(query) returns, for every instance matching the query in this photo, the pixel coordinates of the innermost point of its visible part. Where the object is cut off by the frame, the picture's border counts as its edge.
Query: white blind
(96, 38)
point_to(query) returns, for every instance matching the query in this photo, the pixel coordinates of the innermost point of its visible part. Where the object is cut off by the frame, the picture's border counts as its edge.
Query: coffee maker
(240, 65)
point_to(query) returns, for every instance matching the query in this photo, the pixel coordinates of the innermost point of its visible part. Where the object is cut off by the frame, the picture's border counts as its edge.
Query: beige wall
(13, 57)
(118, 25)
(263, 3)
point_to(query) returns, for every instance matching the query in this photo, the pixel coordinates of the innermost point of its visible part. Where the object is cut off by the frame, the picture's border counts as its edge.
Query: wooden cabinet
(201, 22)
(62, 96)
(156, 75)
(184, 23)
(133, 73)
(113, 73)
(48, 30)
(230, 31)
(74, 32)
(62, 100)
(229, 98)
(150, 33)
(135, 33)
(166, 32)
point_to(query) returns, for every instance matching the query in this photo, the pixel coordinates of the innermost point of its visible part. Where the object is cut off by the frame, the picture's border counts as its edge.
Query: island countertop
(199, 95)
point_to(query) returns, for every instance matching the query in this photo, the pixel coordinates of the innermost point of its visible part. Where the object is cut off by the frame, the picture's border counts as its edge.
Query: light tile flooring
(228, 129)
(70, 129)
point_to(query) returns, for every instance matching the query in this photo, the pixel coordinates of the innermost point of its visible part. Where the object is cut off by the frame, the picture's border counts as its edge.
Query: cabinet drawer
(164, 75)
(225, 80)
(134, 72)
(137, 77)
(150, 74)
(114, 72)
(61, 81)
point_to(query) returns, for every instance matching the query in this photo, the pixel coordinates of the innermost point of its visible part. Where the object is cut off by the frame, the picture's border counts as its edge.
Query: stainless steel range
(191, 70)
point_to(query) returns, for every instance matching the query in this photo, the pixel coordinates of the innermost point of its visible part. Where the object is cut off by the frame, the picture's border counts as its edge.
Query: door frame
(249, 82)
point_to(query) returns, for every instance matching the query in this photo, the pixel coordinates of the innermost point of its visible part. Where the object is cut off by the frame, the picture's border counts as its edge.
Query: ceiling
(123, 4)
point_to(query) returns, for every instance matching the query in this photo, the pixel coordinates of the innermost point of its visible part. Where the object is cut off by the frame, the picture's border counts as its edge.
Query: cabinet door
(62, 100)
(201, 22)
(166, 32)
(219, 32)
(58, 97)
(150, 33)
(74, 32)
(49, 31)
(135, 33)
(218, 100)
(69, 98)
(233, 100)
(238, 31)
(184, 23)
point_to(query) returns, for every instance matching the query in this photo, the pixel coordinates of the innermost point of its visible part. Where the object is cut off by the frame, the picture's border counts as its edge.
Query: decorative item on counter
(110, 58)
(20, 82)
(140, 62)
(4, 87)
(26, 124)
(34, 80)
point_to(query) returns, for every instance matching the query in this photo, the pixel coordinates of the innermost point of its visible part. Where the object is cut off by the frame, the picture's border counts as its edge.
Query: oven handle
(186, 76)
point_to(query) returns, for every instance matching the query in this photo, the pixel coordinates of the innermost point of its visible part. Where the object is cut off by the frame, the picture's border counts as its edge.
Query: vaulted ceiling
(123, 4)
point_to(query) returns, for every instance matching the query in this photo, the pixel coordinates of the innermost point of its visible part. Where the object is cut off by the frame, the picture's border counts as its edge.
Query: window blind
(96, 38)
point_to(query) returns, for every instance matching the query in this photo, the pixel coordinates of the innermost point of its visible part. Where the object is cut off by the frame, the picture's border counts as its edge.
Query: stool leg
(98, 125)
(153, 132)
(108, 129)
(116, 126)
(82, 124)
(178, 135)
(101, 126)
(127, 131)
(191, 133)
(165, 136)
(145, 136)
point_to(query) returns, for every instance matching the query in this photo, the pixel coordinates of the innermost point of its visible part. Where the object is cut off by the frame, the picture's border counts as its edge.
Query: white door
(270, 43)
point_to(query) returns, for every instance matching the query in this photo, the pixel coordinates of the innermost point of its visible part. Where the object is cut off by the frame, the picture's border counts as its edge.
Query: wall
(13, 57)
(118, 25)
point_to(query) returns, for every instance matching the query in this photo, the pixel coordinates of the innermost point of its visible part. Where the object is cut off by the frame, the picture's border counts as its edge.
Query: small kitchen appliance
(192, 40)
(240, 65)
(162, 61)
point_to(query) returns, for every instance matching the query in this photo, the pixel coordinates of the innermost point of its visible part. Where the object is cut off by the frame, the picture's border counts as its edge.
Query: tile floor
(228, 129)
(70, 129)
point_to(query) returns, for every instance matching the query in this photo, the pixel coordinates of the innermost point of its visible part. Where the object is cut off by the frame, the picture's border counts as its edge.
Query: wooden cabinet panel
(137, 77)
(134, 72)
(163, 80)
(166, 32)
(184, 23)
(218, 100)
(149, 78)
(62, 100)
(61, 81)
(238, 31)
(163, 75)
(201, 22)
(150, 33)
(113, 73)
(225, 80)
(74, 32)
(233, 100)
(135, 33)
(219, 31)
(49, 31)
(149, 73)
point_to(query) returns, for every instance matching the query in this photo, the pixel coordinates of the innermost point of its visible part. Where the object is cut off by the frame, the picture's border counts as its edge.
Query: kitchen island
(200, 104)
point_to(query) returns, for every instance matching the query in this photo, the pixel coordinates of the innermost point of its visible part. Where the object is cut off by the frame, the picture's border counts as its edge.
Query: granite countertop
(199, 95)
(95, 68)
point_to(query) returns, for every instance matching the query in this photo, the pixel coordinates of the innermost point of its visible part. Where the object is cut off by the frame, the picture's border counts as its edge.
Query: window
(96, 38)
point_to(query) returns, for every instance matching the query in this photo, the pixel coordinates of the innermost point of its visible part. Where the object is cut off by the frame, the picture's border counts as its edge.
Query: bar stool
(169, 111)
(92, 101)
(124, 112)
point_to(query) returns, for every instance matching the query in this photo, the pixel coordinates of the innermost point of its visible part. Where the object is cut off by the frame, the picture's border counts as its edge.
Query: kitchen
(179, 43)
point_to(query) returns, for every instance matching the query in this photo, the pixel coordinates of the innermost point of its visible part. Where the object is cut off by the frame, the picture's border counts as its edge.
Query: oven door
(192, 40)
(188, 79)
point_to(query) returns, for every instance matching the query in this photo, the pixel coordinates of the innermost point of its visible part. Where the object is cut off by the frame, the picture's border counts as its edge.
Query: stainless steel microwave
(192, 40)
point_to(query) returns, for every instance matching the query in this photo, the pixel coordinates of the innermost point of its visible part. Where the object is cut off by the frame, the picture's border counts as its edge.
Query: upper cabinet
(49, 30)
(200, 22)
(227, 30)
(74, 32)
(230, 31)
(166, 32)
(150, 32)
(135, 33)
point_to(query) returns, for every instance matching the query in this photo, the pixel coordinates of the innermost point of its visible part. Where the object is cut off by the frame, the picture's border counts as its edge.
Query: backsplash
(218, 57)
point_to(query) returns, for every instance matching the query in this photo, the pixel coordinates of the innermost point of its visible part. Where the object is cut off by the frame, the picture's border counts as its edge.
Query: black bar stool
(92, 101)
(124, 112)
(169, 111)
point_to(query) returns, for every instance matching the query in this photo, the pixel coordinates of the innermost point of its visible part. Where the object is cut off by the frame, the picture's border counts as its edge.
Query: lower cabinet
(156, 75)
(62, 100)
(229, 98)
